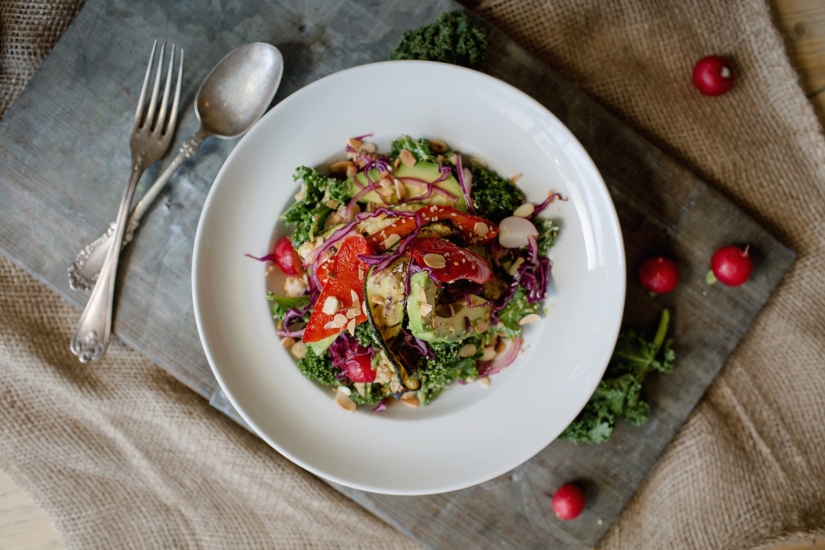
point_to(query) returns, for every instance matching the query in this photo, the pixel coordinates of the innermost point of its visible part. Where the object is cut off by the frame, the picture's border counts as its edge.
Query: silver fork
(150, 138)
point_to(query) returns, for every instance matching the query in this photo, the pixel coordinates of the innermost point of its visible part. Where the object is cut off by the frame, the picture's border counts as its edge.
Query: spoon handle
(84, 271)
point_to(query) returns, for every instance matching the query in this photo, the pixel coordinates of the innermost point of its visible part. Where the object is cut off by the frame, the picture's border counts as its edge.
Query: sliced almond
(501, 346)
(525, 210)
(484, 382)
(383, 174)
(339, 320)
(437, 146)
(359, 387)
(299, 349)
(354, 296)
(436, 261)
(378, 299)
(481, 229)
(513, 268)
(330, 325)
(422, 296)
(482, 326)
(407, 158)
(530, 318)
(345, 390)
(397, 163)
(364, 308)
(345, 402)
(351, 171)
(480, 163)
(287, 342)
(467, 350)
(351, 326)
(354, 143)
(391, 240)
(352, 313)
(341, 167)
(399, 189)
(386, 183)
(515, 178)
(368, 147)
(330, 305)
(489, 354)
(360, 273)
(425, 309)
(410, 400)
(332, 204)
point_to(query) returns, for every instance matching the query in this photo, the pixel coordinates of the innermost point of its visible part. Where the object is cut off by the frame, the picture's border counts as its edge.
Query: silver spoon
(231, 99)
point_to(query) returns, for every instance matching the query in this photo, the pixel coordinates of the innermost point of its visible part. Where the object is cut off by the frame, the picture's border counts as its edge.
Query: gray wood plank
(64, 153)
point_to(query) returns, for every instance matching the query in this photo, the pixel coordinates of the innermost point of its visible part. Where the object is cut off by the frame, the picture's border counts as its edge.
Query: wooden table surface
(802, 22)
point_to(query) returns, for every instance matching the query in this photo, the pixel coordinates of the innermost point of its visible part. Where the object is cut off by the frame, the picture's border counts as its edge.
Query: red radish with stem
(730, 265)
(659, 275)
(713, 75)
(568, 502)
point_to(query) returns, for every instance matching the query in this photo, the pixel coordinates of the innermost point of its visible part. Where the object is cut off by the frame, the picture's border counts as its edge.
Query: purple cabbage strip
(547, 202)
(382, 261)
(344, 348)
(343, 232)
(466, 186)
(381, 406)
(361, 138)
(416, 344)
(267, 258)
(295, 314)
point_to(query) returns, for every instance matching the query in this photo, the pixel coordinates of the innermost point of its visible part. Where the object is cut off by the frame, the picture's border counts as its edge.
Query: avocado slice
(423, 170)
(443, 323)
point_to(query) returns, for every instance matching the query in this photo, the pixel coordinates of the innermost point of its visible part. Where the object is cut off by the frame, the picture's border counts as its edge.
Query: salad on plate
(408, 270)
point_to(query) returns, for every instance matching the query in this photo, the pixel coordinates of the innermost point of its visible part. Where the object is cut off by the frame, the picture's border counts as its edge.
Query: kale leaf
(318, 368)
(364, 335)
(282, 304)
(493, 196)
(515, 310)
(372, 394)
(420, 148)
(453, 38)
(619, 394)
(437, 373)
(311, 206)
(548, 231)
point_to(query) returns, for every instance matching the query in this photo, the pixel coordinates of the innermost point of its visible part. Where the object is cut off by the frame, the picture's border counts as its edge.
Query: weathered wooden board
(64, 157)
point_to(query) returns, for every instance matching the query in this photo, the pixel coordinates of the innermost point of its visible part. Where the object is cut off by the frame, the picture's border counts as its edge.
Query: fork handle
(91, 336)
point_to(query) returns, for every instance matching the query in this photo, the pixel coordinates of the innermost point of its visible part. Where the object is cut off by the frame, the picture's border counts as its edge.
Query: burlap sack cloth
(120, 454)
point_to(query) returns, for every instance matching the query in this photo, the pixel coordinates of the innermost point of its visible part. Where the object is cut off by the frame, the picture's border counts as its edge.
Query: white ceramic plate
(468, 434)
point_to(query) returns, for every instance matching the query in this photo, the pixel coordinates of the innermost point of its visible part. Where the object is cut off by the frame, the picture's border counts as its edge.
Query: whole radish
(568, 502)
(730, 265)
(713, 75)
(659, 275)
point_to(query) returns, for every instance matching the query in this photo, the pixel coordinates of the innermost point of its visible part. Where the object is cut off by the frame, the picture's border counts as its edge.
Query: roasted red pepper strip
(459, 263)
(474, 229)
(346, 275)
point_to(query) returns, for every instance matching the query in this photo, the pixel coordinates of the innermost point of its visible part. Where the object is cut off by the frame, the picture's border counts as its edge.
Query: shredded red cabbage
(381, 406)
(416, 344)
(313, 258)
(267, 258)
(547, 202)
(382, 261)
(361, 138)
(466, 183)
(344, 348)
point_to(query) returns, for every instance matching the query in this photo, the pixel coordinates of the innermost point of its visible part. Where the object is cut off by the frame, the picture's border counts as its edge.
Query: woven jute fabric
(121, 455)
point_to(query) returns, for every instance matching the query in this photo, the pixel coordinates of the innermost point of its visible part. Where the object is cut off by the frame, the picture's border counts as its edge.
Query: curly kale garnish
(372, 394)
(312, 203)
(437, 373)
(493, 196)
(516, 309)
(453, 38)
(420, 148)
(364, 335)
(548, 231)
(619, 394)
(281, 305)
(318, 368)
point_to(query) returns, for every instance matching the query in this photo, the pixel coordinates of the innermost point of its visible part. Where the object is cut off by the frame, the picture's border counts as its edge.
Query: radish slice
(514, 232)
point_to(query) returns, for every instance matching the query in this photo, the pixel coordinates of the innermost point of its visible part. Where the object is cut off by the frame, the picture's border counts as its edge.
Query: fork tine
(165, 101)
(144, 89)
(173, 117)
(153, 103)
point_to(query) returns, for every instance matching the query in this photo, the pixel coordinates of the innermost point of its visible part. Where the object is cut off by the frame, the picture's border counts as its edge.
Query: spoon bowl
(239, 89)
